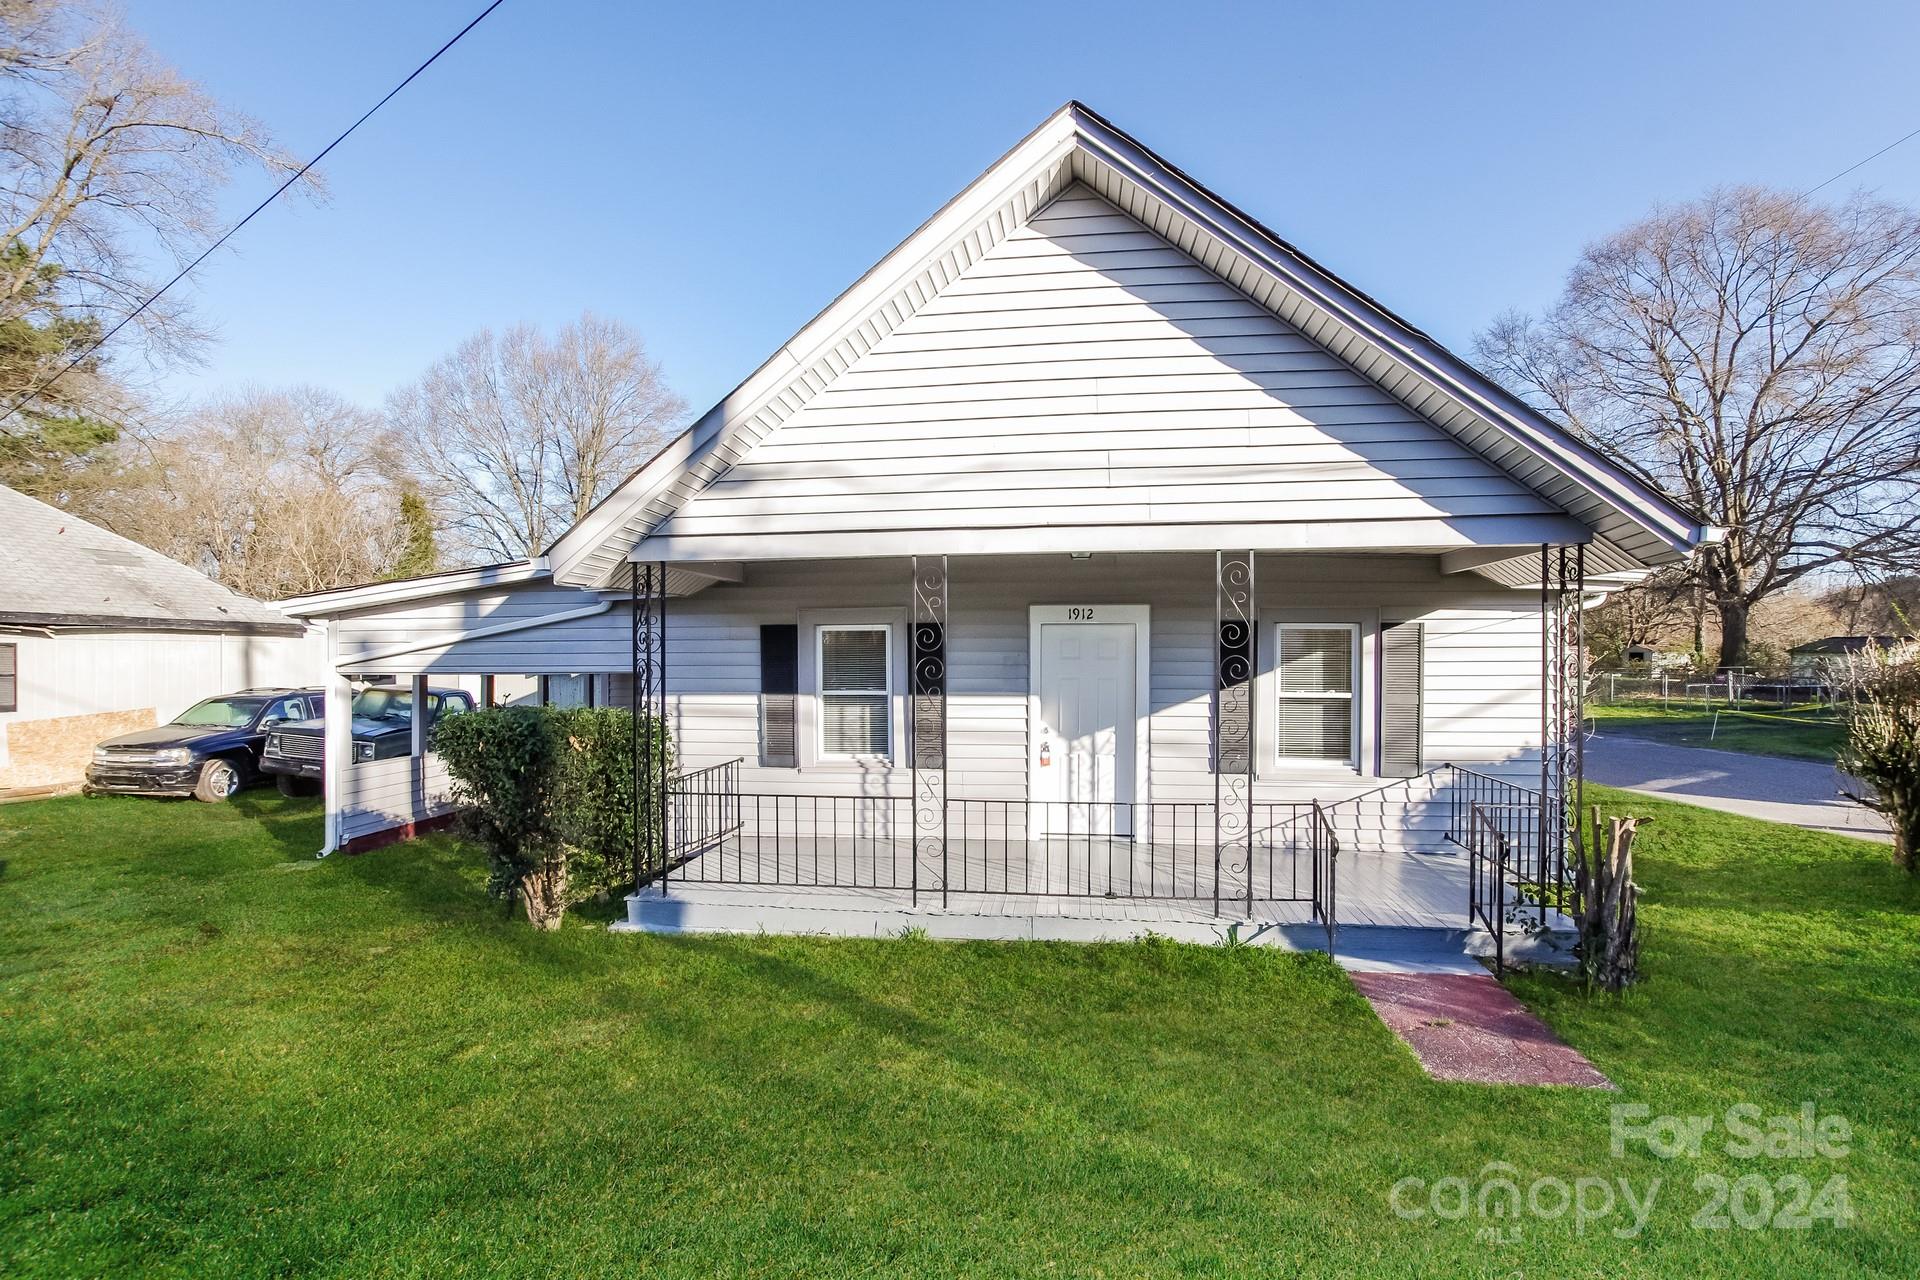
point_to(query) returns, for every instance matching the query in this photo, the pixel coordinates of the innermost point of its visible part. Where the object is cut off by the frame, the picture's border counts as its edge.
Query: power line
(275, 194)
(1850, 168)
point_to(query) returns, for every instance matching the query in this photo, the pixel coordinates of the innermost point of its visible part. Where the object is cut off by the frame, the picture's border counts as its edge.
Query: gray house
(1810, 660)
(1096, 562)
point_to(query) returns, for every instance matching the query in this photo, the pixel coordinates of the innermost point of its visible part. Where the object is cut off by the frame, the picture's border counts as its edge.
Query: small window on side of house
(9, 677)
(856, 693)
(1316, 669)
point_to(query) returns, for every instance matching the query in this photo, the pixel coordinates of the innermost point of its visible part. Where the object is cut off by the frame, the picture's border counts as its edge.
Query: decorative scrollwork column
(648, 703)
(927, 677)
(1233, 720)
(1562, 714)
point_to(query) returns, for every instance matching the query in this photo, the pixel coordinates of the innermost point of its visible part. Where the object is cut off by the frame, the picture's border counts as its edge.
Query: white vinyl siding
(1481, 688)
(855, 692)
(1086, 373)
(1316, 712)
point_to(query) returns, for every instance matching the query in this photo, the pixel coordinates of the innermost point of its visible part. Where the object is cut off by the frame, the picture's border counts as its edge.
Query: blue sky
(713, 174)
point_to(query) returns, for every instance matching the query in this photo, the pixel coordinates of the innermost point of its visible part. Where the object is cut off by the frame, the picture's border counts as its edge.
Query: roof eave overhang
(76, 622)
(1355, 327)
(322, 604)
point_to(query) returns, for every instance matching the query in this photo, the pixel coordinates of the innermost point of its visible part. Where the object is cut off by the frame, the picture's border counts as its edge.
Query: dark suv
(211, 750)
(382, 729)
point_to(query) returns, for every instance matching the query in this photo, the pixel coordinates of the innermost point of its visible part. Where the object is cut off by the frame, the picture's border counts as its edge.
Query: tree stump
(1609, 937)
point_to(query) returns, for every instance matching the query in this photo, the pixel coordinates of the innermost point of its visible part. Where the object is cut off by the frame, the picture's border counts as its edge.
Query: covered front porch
(985, 814)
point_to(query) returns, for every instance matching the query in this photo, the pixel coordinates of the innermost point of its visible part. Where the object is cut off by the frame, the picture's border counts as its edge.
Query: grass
(1800, 733)
(225, 1058)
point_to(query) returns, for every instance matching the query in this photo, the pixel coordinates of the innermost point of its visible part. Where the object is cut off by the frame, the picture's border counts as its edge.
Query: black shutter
(1402, 673)
(779, 684)
(9, 677)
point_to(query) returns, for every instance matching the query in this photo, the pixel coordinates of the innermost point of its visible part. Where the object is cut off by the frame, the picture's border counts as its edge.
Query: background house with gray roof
(100, 635)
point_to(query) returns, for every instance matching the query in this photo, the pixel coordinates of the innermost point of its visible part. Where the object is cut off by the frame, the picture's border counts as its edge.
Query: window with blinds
(9, 677)
(854, 691)
(1315, 669)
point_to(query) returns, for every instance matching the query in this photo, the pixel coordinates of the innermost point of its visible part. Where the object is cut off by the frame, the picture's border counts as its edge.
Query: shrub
(548, 794)
(1882, 748)
(593, 792)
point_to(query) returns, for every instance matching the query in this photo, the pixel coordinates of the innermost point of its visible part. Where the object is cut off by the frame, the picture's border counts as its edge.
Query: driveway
(1797, 792)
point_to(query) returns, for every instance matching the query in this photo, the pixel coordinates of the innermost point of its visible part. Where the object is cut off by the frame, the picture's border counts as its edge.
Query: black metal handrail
(1326, 872)
(1537, 856)
(1488, 855)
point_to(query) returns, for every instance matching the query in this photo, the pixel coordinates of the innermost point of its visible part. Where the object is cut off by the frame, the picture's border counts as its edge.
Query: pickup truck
(382, 730)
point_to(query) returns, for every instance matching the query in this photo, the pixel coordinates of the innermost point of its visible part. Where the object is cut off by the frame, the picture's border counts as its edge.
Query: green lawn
(225, 1059)
(1803, 733)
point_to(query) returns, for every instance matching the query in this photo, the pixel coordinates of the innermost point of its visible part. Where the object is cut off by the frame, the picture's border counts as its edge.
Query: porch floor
(838, 894)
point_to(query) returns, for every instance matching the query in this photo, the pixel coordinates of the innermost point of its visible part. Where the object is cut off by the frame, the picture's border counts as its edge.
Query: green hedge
(548, 793)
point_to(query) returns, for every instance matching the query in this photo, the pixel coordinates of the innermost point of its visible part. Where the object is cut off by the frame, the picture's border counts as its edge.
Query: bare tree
(105, 151)
(1645, 614)
(1757, 356)
(274, 493)
(518, 436)
(1887, 607)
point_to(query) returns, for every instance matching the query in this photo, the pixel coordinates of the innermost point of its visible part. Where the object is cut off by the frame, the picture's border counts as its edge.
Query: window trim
(1352, 696)
(822, 693)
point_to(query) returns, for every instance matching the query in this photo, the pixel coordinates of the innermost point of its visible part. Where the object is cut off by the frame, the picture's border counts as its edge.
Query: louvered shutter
(1402, 674)
(779, 684)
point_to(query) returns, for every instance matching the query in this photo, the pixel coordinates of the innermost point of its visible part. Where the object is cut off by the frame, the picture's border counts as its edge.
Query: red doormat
(1466, 1026)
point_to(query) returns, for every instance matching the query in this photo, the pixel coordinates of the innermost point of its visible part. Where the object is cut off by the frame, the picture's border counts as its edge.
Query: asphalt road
(1797, 792)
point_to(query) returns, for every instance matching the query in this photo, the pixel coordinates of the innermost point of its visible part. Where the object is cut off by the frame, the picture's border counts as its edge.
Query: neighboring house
(1095, 563)
(1643, 654)
(1810, 659)
(100, 636)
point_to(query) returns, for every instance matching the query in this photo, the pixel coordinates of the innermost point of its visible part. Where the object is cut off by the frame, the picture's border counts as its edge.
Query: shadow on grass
(296, 826)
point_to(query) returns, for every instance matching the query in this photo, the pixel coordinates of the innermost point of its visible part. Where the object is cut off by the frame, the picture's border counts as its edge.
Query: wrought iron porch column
(1563, 572)
(1233, 612)
(927, 750)
(648, 701)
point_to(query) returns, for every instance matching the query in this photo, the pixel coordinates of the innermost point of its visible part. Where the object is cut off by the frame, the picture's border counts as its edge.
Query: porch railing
(1536, 856)
(1160, 850)
(703, 809)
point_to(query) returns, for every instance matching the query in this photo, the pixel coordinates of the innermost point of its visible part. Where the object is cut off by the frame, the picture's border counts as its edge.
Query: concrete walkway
(1797, 792)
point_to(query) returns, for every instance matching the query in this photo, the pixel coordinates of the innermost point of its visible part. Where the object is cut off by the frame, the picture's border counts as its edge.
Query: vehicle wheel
(292, 786)
(218, 781)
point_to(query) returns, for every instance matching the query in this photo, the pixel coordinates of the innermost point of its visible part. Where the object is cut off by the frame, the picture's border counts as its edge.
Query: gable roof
(1632, 526)
(58, 570)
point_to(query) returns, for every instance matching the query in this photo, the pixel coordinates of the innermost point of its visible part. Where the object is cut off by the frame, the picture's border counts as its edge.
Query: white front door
(1084, 741)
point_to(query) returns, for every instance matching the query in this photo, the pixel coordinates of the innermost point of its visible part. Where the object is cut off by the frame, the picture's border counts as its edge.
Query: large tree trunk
(1733, 633)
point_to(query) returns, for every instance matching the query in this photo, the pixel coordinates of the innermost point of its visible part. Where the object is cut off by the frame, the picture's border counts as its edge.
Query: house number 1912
(1079, 614)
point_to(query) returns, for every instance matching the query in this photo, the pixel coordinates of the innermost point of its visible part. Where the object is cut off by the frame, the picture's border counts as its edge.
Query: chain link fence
(1685, 691)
